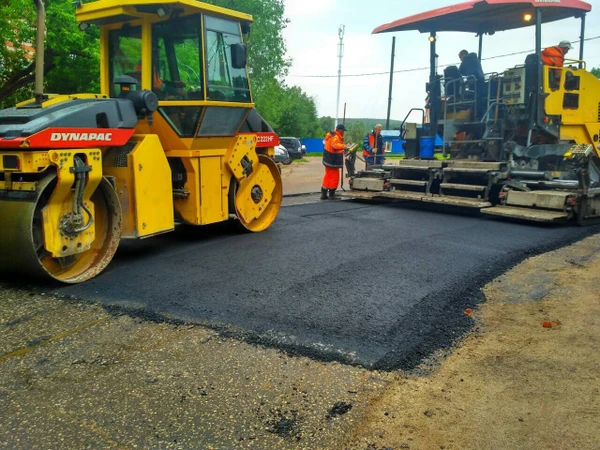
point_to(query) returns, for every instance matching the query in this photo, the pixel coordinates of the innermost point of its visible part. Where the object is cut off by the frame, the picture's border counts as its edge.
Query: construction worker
(160, 86)
(470, 65)
(555, 57)
(374, 147)
(333, 160)
(157, 83)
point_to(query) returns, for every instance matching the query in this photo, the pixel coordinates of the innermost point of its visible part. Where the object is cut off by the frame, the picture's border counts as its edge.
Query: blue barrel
(427, 146)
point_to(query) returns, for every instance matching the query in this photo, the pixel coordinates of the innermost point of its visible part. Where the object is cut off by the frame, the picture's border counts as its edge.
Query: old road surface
(377, 286)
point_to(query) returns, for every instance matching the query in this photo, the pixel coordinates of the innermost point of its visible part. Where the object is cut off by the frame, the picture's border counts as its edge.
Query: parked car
(293, 146)
(282, 155)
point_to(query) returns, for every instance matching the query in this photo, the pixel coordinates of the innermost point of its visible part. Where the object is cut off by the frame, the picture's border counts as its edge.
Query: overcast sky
(312, 40)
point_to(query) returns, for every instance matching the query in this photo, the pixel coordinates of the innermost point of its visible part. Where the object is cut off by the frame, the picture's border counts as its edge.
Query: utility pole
(340, 55)
(389, 110)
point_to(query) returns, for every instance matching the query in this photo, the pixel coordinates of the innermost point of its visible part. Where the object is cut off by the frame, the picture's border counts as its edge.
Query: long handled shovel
(342, 179)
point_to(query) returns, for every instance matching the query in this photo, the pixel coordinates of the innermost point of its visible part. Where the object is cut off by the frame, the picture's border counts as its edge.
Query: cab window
(225, 82)
(124, 54)
(176, 59)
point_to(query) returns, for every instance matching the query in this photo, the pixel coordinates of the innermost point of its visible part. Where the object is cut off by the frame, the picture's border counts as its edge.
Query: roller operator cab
(520, 143)
(173, 137)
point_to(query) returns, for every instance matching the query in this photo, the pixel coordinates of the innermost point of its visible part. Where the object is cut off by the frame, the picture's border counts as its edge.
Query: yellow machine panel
(143, 184)
(213, 199)
(75, 235)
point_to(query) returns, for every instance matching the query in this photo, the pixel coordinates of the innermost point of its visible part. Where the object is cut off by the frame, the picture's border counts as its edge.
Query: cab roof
(486, 16)
(104, 12)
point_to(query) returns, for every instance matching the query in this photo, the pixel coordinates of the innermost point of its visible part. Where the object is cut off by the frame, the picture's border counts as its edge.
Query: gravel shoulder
(525, 378)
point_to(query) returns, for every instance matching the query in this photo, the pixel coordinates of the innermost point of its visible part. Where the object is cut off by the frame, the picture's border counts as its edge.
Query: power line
(417, 69)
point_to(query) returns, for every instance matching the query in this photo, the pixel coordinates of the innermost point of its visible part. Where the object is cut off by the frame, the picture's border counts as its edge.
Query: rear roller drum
(22, 246)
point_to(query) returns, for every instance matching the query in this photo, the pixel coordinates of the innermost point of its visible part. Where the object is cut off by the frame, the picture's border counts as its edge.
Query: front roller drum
(258, 198)
(22, 245)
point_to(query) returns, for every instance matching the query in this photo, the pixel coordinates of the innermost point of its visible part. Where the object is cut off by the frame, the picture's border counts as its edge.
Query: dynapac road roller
(522, 143)
(173, 136)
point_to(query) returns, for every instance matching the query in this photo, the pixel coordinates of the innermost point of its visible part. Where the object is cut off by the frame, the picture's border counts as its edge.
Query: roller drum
(22, 245)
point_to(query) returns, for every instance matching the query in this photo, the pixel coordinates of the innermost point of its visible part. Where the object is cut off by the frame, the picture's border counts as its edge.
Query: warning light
(527, 17)
(431, 38)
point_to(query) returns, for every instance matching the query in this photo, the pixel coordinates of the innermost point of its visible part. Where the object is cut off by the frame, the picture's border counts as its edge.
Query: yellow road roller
(173, 137)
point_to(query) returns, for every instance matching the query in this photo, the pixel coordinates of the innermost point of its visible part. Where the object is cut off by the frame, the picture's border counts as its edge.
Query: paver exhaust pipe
(39, 51)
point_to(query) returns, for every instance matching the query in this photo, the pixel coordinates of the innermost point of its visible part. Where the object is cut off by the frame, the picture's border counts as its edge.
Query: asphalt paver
(380, 286)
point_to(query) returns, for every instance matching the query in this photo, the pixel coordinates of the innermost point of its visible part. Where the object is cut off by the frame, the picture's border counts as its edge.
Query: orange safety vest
(157, 82)
(553, 56)
(376, 146)
(333, 156)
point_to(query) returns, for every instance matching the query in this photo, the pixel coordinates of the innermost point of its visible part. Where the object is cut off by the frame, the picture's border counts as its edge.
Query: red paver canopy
(485, 16)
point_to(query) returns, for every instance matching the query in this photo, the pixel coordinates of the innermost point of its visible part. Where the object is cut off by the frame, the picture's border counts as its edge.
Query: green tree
(72, 57)
(356, 132)
(596, 72)
(16, 65)
(326, 123)
(298, 116)
(266, 47)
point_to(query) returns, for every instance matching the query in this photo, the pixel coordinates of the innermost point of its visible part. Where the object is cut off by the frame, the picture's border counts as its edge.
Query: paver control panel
(514, 86)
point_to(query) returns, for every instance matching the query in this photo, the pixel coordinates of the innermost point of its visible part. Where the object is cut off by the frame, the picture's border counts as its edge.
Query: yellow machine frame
(227, 176)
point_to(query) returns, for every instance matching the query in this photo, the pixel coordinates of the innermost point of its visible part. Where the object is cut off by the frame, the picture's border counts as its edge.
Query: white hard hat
(565, 44)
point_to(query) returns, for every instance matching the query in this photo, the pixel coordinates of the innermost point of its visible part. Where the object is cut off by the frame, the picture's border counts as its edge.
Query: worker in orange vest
(333, 160)
(157, 83)
(374, 147)
(555, 57)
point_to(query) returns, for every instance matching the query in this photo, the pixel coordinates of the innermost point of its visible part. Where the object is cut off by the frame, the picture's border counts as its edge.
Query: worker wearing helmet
(333, 160)
(373, 147)
(555, 57)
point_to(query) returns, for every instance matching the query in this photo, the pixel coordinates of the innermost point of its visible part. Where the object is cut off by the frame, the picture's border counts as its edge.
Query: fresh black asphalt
(376, 285)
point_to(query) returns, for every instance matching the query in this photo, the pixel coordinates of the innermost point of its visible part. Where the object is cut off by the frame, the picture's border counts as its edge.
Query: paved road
(373, 285)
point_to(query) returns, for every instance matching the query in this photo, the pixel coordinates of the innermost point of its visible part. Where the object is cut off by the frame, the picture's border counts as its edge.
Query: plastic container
(427, 146)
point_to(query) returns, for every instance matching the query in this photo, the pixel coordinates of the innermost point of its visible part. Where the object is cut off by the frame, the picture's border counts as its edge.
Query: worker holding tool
(333, 160)
(373, 147)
